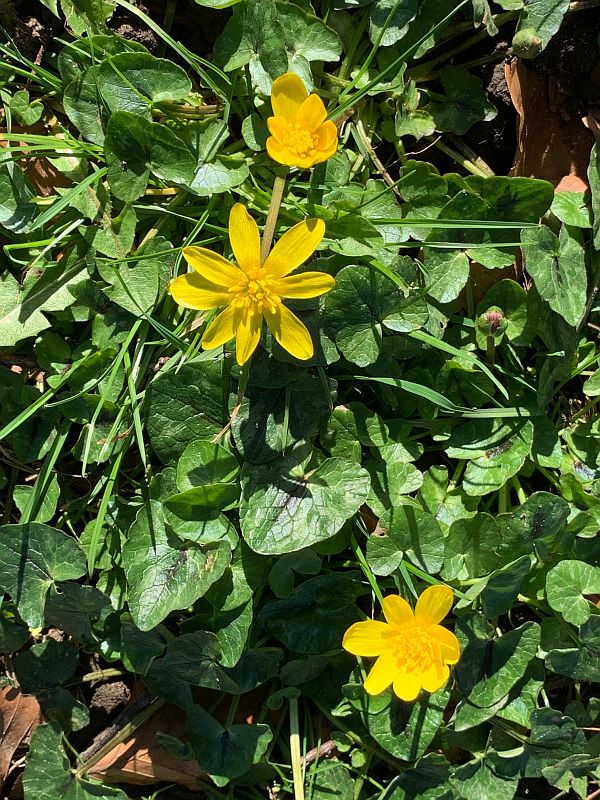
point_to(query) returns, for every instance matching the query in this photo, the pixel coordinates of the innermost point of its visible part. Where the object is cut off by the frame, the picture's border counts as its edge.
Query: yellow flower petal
(407, 685)
(305, 284)
(294, 247)
(328, 138)
(244, 238)
(287, 95)
(193, 291)
(382, 673)
(312, 113)
(281, 153)
(212, 266)
(433, 605)
(247, 336)
(369, 638)
(447, 642)
(222, 329)
(291, 334)
(277, 127)
(397, 611)
(435, 677)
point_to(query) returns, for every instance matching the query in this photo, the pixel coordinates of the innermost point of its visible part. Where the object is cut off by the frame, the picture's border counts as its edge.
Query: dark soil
(109, 698)
(194, 26)
(571, 62)
(495, 141)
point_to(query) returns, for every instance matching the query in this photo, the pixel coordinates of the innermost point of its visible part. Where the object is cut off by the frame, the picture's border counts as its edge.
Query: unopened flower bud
(492, 322)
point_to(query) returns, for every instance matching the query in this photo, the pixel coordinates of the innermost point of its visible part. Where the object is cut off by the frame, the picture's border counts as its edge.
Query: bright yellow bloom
(413, 649)
(302, 136)
(251, 290)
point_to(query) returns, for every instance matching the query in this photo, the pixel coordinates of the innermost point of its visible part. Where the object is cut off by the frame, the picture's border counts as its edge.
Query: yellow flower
(251, 290)
(413, 649)
(302, 136)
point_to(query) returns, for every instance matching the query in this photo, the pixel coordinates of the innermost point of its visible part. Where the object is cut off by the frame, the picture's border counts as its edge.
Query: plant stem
(503, 499)
(274, 206)
(366, 569)
(168, 18)
(490, 353)
(297, 775)
(469, 153)
(98, 675)
(595, 259)
(470, 166)
(243, 382)
(346, 67)
(516, 484)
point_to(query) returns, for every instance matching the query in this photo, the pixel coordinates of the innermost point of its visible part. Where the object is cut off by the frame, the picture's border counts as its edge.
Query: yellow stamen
(300, 141)
(255, 291)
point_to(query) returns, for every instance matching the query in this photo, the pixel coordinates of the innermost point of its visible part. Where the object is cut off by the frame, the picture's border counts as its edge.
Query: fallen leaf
(141, 759)
(19, 715)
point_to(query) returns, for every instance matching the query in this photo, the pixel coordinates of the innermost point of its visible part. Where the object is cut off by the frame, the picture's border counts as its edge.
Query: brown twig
(327, 750)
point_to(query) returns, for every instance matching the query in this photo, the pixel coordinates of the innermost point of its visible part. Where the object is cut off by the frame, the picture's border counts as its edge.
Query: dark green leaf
(135, 148)
(316, 614)
(32, 557)
(557, 266)
(489, 669)
(566, 585)
(163, 573)
(465, 102)
(552, 738)
(226, 753)
(136, 81)
(406, 531)
(185, 404)
(407, 729)
(48, 774)
(83, 106)
(389, 20)
(286, 508)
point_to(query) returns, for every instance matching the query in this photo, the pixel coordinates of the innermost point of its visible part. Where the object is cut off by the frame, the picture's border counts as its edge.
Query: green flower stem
(466, 163)
(297, 776)
(366, 569)
(584, 410)
(490, 352)
(503, 499)
(348, 61)
(106, 496)
(423, 71)
(549, 476)
(362, 775)
(595, 286)
(233, 707)
(243, 382)
(274, 206)
(516, 484)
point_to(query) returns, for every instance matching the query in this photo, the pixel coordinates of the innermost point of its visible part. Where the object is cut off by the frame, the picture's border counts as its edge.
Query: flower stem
(274, 205)
(243, 382)
(297, 776)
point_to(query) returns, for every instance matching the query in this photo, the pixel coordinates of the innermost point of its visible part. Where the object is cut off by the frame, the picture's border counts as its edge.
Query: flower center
(299, 140)
(255, 292)
(413, 650)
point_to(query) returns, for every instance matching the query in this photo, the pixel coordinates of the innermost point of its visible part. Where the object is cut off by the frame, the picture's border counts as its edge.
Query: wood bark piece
(548, 146)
